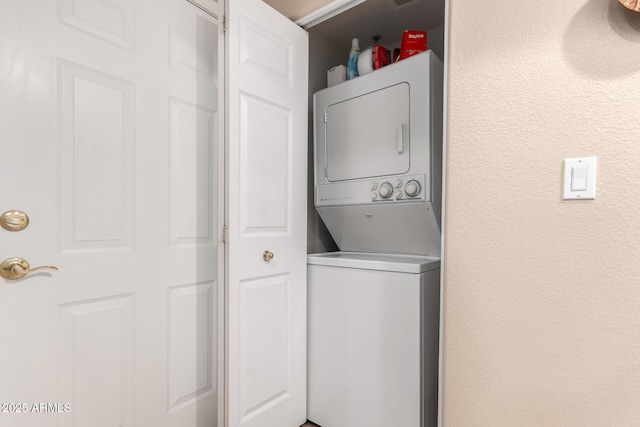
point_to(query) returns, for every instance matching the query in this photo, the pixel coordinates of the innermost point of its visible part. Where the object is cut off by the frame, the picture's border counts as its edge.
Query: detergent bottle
(352, 65)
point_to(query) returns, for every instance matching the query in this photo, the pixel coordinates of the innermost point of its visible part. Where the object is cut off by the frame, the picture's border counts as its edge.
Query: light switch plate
(580, 178)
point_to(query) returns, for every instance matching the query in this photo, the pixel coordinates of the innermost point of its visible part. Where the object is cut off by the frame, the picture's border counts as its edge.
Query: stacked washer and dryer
(373, 307)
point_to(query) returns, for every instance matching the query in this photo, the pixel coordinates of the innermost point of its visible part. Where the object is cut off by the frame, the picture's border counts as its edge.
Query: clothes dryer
(378, 157)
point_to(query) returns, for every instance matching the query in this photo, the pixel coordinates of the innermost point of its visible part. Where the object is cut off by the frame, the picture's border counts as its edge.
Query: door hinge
(325, 117)
(224, 233)
(325, 172)
(224, 24)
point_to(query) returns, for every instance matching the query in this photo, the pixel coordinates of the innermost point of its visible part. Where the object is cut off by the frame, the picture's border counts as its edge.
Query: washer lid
(376, 261)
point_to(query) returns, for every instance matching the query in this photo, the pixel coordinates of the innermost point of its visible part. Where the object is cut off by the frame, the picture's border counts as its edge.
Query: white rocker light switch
(580, 178)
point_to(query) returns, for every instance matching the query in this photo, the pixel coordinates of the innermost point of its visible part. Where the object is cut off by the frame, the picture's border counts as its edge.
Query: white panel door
(267, 157)
(109, 121)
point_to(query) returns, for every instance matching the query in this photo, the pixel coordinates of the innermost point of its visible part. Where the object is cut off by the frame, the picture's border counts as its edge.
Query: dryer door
(368, 135)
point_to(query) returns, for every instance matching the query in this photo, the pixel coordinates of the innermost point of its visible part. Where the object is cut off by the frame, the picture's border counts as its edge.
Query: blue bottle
(352, 65)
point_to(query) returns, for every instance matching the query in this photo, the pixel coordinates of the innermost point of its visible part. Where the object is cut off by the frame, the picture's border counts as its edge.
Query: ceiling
(368, 18)
(296, 9)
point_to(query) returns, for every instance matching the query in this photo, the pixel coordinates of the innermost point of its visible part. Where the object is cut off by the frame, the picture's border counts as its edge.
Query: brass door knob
(17, 268)
(267, 256)
(14, 220)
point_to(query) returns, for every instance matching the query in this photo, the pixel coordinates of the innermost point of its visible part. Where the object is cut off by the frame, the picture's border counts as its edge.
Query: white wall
(542, 296)
(435, 37)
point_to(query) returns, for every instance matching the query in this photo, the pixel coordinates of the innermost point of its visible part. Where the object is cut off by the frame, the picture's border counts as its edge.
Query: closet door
(267, 159)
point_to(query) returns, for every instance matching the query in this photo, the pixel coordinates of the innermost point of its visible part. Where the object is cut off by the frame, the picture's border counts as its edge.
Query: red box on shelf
(413, 42)
(380, 57)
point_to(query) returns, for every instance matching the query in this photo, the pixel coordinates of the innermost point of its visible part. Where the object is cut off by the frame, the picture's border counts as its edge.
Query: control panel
(396, 189)
(400, 188)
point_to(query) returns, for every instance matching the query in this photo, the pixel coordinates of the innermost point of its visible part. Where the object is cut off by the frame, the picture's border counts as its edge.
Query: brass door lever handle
(17, 268)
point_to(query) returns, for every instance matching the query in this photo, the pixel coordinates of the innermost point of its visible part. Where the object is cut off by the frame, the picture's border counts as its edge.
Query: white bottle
(352, 65)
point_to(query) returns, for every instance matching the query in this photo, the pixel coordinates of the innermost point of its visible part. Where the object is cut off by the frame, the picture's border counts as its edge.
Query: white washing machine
(373, 340)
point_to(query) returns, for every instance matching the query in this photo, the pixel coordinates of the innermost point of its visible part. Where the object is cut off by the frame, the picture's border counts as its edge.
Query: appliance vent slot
(401, 4)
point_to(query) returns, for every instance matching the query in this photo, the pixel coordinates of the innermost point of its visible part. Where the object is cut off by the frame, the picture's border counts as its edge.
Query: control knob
(412, 188)
(385, 190)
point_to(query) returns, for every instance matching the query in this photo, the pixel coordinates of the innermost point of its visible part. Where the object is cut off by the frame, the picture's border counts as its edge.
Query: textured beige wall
(542, 296)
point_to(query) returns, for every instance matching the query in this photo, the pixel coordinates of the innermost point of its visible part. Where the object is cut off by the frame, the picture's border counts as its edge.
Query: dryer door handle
(400, 139)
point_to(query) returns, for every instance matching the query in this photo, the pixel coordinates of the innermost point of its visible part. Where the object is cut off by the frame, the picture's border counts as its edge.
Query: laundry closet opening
(374, 217)
(371, 22)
